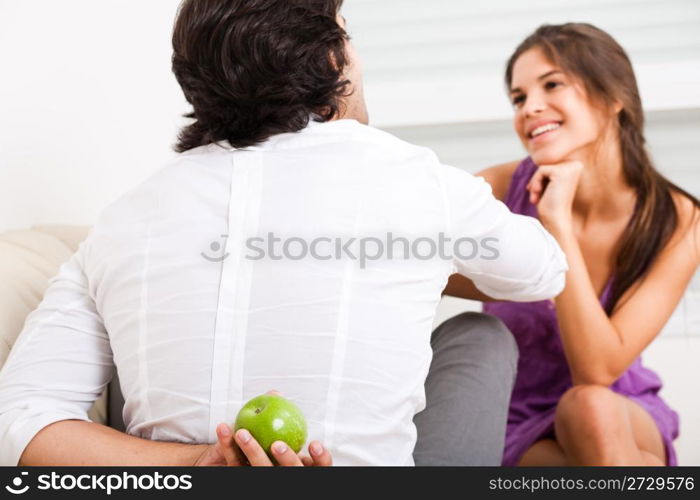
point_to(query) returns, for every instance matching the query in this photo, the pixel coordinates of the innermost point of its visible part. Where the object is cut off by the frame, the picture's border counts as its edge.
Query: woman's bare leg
(544, 453)
(596, 426)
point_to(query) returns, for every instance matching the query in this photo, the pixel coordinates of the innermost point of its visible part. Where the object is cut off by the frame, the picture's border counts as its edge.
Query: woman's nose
(533, 106)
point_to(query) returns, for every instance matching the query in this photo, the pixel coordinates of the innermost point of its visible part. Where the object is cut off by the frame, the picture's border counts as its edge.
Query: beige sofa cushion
(28, 260)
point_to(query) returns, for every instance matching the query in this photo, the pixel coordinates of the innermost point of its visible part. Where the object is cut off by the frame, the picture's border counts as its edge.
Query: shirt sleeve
(59, 365)
(507, 256)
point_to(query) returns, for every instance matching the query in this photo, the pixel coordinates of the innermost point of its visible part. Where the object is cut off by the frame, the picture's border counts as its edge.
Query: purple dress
(543, 373)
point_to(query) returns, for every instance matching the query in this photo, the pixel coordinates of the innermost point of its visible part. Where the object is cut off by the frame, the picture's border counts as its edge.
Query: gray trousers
(467, 393)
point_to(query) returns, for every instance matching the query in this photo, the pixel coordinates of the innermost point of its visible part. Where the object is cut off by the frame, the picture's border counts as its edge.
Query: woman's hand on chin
(552, 189)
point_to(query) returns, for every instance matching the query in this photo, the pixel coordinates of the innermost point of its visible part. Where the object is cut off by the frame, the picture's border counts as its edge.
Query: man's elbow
(547, 288)
(552, 287)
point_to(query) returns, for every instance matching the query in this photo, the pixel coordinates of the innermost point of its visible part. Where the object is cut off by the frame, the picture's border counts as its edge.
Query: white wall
(88, 105)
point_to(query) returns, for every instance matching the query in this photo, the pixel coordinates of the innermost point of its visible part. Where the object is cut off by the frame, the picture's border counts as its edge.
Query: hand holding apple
(242, 449)
(270, 418)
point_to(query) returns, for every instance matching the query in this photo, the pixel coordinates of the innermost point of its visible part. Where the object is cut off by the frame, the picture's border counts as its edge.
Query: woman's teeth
(544, 128)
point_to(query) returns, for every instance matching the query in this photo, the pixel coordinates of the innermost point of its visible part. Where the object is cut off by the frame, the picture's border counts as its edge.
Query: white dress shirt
(166, 288)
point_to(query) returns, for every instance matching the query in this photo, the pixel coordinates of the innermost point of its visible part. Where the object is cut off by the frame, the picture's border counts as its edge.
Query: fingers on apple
(251, 449)
(284, 455)
(223, 433)
(320, 456)
(274, 393)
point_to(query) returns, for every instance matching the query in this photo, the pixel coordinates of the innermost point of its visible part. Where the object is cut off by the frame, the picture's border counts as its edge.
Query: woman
(582, 396)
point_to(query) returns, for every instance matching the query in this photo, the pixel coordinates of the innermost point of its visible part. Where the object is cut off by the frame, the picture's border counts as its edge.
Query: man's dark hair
(255, 68)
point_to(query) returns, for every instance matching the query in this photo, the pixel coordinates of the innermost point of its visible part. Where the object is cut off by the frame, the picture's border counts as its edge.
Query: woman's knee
(592, 425)
(592, 408)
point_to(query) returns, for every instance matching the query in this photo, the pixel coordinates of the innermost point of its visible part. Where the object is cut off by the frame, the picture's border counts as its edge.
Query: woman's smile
(541, 131)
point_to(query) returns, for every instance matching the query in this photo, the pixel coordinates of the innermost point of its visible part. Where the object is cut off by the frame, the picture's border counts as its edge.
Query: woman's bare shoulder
(499, 177)
(686, 208)
(688, 228)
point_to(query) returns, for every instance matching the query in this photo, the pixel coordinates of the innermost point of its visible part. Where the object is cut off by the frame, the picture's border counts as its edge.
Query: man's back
(349, 344)
(310, 264)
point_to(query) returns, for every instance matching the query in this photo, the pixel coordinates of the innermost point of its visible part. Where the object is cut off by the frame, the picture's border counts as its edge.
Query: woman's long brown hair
(597, 60)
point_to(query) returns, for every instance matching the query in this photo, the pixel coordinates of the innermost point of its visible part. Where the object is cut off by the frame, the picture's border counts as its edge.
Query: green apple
(271, 418)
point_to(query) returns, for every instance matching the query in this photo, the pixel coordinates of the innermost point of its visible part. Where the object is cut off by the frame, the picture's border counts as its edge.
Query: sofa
(29, 258)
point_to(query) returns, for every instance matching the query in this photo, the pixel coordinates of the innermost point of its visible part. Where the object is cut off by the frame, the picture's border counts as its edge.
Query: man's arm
(76, 443)
(499, 178)
(58, 367)
(80, 443)
(517, 259)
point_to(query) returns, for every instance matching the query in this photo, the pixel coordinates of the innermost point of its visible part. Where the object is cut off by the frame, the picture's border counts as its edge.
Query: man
(285, 247)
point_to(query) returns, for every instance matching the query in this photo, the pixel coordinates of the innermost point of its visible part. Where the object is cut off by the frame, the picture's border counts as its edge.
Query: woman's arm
(599, 348)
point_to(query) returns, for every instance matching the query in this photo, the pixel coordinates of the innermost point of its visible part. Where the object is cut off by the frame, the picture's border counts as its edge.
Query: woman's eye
(518, 100)
(551, 85)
